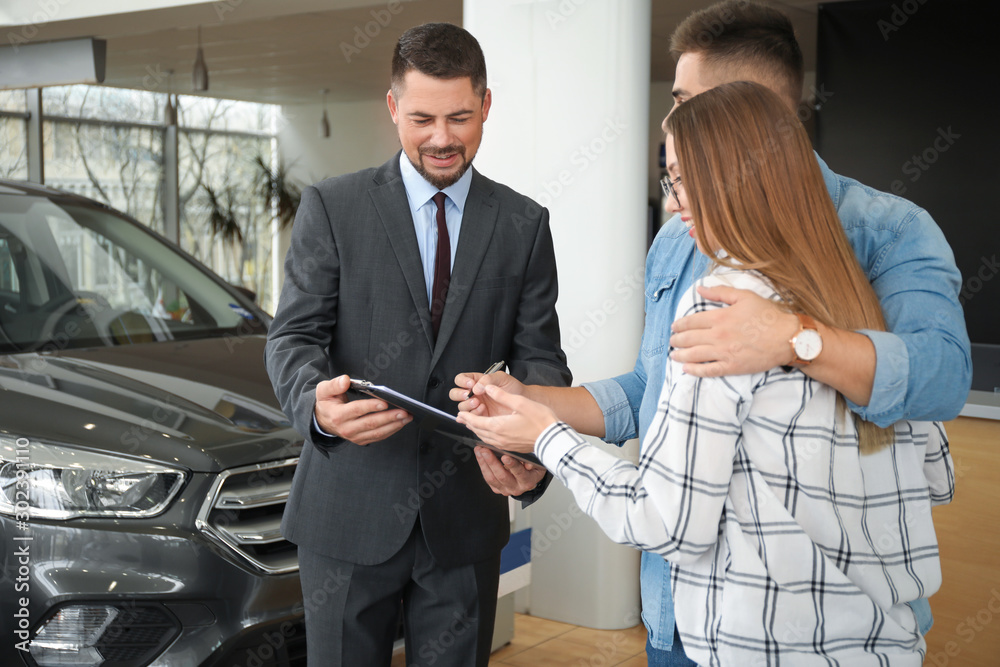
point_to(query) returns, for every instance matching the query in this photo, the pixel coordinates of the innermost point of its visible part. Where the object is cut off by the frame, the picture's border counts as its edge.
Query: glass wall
(108, 144)
(13, 135)
(119, 165)
(222, 146)
(14, 151)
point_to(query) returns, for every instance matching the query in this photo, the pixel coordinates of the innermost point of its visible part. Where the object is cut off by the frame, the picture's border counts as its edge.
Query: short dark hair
(441, 50)
(740, 36)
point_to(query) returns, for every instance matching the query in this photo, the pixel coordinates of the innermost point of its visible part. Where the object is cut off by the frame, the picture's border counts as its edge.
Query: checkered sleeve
(672, 501)
(938, 467)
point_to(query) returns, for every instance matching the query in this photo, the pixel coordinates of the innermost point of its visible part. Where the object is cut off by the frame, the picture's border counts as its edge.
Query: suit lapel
(390, 201)
(478, 222)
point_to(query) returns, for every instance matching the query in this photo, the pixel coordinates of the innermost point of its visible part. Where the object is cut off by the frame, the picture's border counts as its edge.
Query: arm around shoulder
(923, 366)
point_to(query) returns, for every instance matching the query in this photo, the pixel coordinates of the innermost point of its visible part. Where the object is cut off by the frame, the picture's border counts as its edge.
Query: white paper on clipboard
(438, 420)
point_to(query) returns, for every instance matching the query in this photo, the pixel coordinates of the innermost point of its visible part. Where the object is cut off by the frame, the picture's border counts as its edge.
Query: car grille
(243, 512)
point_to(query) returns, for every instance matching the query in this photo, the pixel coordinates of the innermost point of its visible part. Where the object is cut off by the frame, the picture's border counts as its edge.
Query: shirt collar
(419, 191)
(830, 179)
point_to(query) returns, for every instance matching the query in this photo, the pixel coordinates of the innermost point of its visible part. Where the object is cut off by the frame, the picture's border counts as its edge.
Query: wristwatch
(807, 343)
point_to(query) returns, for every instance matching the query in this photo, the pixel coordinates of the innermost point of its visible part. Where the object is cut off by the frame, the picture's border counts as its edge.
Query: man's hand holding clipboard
(431, 418)
(361, 422)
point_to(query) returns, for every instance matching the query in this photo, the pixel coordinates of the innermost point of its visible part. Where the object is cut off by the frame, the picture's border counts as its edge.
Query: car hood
(205, 405)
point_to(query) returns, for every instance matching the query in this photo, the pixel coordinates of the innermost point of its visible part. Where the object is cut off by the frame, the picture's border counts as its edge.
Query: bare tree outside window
(13, 136)
(108, 144)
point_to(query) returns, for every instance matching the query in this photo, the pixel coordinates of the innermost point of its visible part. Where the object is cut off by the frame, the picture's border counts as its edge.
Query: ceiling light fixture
(324, 122)
(199, 76)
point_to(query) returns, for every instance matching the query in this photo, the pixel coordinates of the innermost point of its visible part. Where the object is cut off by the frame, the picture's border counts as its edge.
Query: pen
(495, 367)
(492, 369)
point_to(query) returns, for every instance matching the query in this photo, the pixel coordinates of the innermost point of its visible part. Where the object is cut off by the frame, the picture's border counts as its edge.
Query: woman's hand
(518, 425)
(471, 391)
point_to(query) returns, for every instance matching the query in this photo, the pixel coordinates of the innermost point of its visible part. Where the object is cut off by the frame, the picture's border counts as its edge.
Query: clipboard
(429, 417)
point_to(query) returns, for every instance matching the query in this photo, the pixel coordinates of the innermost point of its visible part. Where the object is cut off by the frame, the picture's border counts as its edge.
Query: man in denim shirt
(920, 371)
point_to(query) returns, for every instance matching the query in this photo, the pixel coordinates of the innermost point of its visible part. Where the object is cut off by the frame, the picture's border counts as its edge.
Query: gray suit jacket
(355, 301)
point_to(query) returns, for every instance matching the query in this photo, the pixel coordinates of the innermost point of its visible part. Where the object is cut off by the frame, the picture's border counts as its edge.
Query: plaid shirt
(787, 546)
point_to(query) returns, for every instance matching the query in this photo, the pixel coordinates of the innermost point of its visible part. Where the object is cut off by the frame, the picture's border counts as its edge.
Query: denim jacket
(923, 370)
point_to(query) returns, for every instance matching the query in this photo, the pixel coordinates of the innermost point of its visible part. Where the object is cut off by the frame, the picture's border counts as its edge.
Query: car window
(76, 276)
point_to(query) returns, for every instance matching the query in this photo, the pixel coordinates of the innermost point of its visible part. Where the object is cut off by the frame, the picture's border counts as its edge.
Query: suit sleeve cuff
(323, 440)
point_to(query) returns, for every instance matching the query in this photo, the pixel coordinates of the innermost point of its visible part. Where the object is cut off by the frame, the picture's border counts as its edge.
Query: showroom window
(13, 135)
(109, 144)
(222, 146)
(103, 143)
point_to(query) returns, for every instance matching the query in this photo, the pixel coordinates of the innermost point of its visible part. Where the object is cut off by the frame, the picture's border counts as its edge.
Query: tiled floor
(539, 642)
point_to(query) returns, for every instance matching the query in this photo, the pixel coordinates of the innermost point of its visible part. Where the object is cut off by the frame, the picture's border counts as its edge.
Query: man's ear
(393, 110)
(487, 102)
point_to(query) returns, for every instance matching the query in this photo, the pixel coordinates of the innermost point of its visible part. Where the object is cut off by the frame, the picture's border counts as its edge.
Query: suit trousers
(353, 611)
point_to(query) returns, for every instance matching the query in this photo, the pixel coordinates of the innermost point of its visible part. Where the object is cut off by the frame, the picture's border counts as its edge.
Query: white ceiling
(285, 52)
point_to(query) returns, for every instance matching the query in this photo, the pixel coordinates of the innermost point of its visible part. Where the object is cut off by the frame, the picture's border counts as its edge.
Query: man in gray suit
(406, 275)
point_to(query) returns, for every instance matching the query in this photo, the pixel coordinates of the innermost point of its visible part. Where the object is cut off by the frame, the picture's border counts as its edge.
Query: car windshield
(74, 275)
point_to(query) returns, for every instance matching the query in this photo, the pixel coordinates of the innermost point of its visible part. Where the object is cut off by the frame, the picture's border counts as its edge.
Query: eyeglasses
(670, 187)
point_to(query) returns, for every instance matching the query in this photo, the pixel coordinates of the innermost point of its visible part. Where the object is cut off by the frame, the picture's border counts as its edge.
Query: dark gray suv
(144, 463)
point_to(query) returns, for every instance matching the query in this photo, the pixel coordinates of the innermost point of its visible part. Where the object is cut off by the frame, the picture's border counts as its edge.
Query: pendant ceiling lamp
(199, 75)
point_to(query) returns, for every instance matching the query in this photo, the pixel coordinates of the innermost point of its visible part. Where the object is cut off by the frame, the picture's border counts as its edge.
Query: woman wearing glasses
(797, 533)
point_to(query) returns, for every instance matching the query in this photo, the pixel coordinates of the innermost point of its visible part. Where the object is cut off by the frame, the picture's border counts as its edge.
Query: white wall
(361, 135)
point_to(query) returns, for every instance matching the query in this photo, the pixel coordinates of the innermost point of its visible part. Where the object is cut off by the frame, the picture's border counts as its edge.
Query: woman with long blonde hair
(796, 534)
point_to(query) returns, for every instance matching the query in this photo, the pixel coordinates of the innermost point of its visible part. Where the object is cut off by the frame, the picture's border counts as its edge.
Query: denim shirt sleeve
(923, 367)
(619, 399)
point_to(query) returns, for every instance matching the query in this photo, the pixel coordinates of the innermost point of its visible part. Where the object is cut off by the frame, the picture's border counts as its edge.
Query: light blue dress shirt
(923, 370)
(418, 194)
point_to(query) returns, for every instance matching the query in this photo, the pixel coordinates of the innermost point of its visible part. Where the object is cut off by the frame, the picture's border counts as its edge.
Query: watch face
(808, 344)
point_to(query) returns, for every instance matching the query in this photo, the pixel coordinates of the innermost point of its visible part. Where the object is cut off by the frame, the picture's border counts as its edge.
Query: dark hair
(745, 40)
(441, 50)
(755, 188)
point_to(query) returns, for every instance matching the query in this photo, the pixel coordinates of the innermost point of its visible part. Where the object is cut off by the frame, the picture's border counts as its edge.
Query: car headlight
(46, 481)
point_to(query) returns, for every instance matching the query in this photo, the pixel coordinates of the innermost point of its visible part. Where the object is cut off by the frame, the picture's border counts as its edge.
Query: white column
(569, 127)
